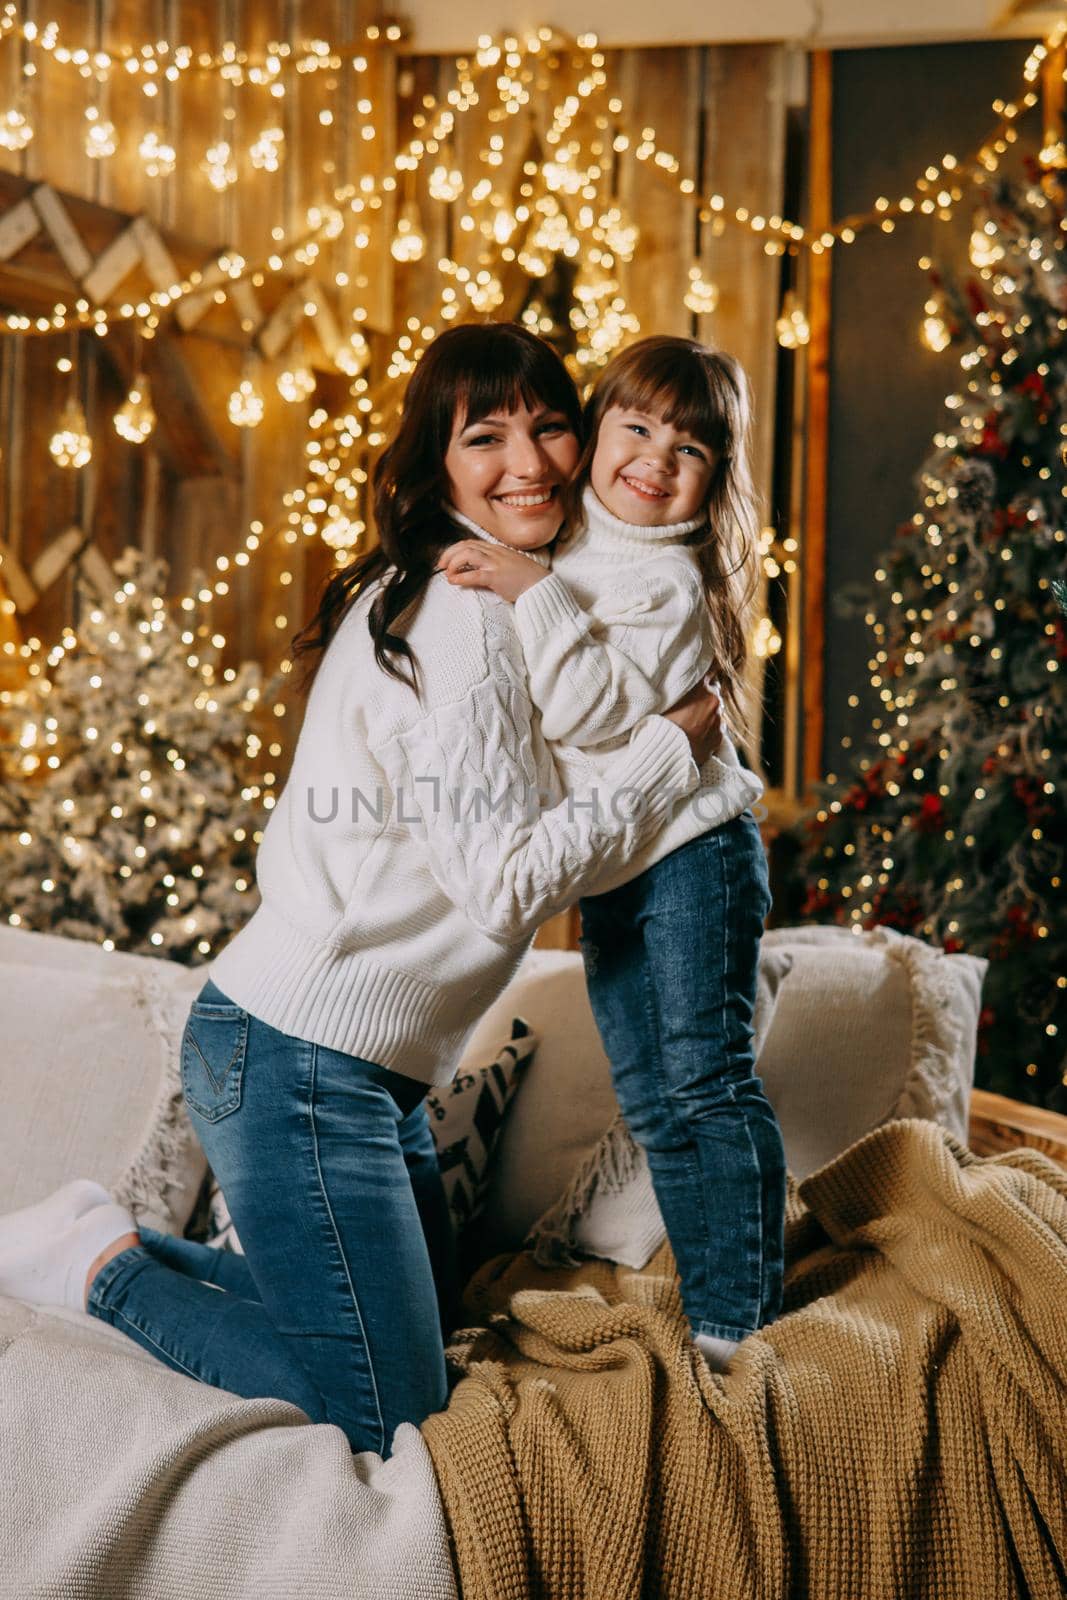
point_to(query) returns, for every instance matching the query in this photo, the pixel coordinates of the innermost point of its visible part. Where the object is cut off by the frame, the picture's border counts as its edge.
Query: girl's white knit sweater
(619, 630)
(421, 839)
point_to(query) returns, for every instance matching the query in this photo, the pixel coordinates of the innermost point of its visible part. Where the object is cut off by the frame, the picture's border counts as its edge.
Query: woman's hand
(699, 715)
(476, 564)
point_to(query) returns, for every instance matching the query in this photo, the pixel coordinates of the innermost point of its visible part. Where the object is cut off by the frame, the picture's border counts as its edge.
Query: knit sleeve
(464, 783)
(594, 674)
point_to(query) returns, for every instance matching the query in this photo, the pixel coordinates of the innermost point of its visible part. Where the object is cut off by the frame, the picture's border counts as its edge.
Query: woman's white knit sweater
(618, 630)
(422, 838)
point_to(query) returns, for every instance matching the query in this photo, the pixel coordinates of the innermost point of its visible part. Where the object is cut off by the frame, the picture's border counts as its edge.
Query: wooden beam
(813, 550)
(62, 231)
(17, 227)
(999, 1124)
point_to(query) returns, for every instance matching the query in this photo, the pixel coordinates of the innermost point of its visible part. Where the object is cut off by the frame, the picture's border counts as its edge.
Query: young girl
(645, 601)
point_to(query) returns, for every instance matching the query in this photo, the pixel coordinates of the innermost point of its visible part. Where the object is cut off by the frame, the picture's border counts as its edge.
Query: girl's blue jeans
(349, 1276)
(671, 961)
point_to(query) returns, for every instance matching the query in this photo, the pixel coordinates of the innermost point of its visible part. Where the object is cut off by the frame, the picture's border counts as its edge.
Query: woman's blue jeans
(671, 961)
(349, 1275)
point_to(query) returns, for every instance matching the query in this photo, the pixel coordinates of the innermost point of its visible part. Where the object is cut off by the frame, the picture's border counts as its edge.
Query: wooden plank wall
(719, 109)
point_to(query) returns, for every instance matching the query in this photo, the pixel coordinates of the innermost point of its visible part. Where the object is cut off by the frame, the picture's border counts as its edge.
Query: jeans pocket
(213, 1058)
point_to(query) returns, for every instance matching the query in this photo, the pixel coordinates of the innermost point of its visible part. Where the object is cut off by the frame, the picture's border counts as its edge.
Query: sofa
(135, 1480)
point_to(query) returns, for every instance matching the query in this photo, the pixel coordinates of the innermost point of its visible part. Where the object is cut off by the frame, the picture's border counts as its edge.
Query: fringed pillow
(89, 1076)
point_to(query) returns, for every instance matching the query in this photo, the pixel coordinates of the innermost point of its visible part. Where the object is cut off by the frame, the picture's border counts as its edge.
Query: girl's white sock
(49, 1264)
(47, 1216)
(716, 1352)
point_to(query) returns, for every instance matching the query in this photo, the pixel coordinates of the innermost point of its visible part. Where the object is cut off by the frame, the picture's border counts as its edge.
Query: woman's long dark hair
(470, 371)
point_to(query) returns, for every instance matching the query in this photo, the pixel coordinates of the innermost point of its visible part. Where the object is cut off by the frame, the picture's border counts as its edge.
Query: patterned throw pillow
(466, 1117)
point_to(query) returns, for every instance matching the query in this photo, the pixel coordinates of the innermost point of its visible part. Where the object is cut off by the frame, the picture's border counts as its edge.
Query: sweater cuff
(544, 606)
(665, 759)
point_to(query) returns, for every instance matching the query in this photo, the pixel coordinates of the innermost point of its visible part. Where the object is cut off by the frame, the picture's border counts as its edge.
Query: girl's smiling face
(648, 472)
(507, 473)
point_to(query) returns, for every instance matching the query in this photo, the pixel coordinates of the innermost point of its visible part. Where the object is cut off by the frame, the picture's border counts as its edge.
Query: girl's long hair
(705, 393)
(470, 371)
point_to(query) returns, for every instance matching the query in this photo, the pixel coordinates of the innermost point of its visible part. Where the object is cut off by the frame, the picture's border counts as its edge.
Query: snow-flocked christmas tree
(951, 823)
(129, 807)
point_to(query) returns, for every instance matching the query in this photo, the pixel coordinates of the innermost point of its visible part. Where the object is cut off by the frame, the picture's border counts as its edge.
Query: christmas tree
(129, 811)
(950, 824)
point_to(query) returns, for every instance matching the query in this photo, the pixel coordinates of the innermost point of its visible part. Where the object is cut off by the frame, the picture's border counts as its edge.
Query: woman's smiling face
(507, 473)
(647, 471)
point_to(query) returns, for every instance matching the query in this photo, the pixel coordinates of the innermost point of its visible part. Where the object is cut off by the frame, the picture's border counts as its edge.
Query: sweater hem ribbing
(338, 998)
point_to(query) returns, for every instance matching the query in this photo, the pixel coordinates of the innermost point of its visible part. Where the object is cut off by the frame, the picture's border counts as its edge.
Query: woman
(419, 841)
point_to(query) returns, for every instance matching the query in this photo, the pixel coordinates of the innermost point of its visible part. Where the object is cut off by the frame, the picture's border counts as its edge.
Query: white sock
(49, 1215)
(49, 1267)
(716, 1352)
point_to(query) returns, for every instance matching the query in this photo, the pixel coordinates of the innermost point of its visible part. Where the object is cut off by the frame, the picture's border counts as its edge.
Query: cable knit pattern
(619, 630)
(398, 889)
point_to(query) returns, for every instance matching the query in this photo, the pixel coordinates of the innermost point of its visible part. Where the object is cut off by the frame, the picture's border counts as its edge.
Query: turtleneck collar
(543, 557)
(602, 525)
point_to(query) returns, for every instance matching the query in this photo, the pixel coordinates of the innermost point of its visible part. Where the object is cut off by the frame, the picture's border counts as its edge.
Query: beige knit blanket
(901, 1432)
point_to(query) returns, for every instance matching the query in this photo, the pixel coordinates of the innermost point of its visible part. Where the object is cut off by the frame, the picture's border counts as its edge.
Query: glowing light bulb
(16, 130)
(702, 296)
(485, 294)
(352, 355)
(445, 184)
(136, 417)
(100, 137)
(217, 166)
(70, 445)
(792, 325)
(767, 640)
(245, 405)
(409, 241)
(158, 156)
(985, 250)
(296, 383)
(266, 152)
(340, 533)
(934, 331)
(503, 226)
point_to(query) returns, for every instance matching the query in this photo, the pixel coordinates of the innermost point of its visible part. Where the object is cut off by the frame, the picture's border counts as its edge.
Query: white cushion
(563, 1104)
(89, 1075)
(868, 1027)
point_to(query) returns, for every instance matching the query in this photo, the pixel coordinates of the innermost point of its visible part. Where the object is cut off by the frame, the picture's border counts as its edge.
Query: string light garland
(355, 353)
(530, 233)
(150, 62)
(483, 292)
(933, 195)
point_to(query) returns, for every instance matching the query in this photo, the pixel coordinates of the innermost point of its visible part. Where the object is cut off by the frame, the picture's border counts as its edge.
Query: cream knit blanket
(901, 1432)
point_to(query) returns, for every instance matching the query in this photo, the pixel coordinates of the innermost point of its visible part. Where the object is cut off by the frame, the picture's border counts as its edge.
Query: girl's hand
(476, 564)
(699, 715)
